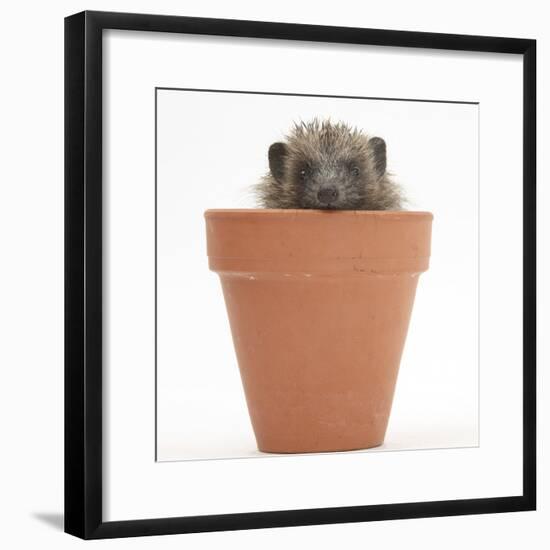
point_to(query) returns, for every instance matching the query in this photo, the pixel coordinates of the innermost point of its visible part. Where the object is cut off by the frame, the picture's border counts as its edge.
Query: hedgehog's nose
(327, 195)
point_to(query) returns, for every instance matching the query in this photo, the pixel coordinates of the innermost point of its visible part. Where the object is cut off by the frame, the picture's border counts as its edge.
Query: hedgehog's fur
(320, 154)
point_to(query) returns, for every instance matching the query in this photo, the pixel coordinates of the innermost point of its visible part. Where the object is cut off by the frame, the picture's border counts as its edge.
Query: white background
(211, 148)
(32, 290)
(134, 62)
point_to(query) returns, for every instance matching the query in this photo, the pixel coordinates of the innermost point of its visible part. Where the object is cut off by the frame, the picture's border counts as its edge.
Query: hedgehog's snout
(327, 195)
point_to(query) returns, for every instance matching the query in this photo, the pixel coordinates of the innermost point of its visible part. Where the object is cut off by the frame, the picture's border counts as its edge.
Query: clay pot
(319, 305)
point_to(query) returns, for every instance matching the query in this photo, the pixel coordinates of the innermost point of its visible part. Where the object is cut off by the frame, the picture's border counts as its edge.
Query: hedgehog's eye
(303, 174)
(355, 171)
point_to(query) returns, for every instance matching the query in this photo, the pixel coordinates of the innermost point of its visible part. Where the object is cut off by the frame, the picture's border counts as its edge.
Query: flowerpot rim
(311, 213)
(343, 242)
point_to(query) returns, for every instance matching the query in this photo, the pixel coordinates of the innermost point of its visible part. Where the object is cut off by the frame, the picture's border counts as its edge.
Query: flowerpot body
(319, 304)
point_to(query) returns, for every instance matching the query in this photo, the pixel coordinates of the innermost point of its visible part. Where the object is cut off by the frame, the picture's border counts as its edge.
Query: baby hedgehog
(327, 165)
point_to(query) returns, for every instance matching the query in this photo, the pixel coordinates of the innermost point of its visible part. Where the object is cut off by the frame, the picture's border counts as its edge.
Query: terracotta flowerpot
(319, 305)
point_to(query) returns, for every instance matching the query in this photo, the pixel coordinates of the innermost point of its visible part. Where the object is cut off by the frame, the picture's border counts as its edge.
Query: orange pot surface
(319, 304)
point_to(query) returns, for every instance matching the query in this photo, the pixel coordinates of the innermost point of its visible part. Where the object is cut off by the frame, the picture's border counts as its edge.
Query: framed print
(367, 200)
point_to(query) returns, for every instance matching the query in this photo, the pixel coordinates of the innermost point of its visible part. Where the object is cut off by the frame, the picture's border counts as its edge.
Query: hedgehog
(328, 166)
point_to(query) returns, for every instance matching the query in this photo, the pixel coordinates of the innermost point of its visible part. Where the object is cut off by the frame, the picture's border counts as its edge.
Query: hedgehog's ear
(277, 155)
(378, 147)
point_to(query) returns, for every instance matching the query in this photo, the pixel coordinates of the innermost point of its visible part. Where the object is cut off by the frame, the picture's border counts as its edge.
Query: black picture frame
(83, 273)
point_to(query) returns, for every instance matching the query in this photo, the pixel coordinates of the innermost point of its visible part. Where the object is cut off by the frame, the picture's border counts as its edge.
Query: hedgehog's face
(332, 183)
(328, 175)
